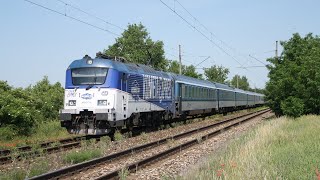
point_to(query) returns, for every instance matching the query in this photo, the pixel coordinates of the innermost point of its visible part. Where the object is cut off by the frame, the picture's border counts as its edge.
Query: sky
(36, 42)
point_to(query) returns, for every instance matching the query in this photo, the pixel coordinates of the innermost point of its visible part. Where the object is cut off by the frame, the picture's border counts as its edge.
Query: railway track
(147, 153)
(7, 155)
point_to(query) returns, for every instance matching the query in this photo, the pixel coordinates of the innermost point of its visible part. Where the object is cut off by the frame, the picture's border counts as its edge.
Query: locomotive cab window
(89, 76)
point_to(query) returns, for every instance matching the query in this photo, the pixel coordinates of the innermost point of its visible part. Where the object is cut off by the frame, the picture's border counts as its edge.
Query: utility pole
(238, 81)
(180, 69)
(277, 50)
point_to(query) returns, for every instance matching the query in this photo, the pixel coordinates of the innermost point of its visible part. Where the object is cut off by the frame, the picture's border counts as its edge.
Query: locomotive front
(92, 97)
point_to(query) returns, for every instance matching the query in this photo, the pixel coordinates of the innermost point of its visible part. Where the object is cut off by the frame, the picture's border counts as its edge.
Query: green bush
(7, 133)
(292, 107)
(23, 109)
(80, 156)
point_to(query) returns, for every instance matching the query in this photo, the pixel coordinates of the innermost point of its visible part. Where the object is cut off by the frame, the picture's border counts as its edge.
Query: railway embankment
(281, 148)
(44, 162)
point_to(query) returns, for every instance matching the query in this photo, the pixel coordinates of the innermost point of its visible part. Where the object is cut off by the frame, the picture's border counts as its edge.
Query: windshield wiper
(91, 85)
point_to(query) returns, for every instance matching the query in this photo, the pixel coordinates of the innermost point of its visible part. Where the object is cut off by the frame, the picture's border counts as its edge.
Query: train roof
(192, 81)
(123, 67)
(143, 69)
(85, 62)
(223, 86)
(239, 90)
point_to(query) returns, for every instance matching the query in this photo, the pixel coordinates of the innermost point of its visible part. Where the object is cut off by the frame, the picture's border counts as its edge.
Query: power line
(265, 52)
(202, 61)
(172, 55)
(251, 66)
(193, 16)
(89, 14)
(183, 53)
(71, 17)
(207, 29)
(257, 60)
(195, 28)
(212, 34)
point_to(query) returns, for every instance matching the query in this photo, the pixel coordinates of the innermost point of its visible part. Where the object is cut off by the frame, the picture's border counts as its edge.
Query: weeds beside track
(7, 155)
(134, 166)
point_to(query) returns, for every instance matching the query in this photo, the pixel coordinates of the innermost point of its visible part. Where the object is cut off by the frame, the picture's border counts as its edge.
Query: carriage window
(89, 76)
(183, 90)
(186, 91)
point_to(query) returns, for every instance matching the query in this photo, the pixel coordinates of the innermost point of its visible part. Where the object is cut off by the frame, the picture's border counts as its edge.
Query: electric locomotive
(102, 94)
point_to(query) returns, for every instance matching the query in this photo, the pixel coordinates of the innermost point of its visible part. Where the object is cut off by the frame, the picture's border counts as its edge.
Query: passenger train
(104, 93)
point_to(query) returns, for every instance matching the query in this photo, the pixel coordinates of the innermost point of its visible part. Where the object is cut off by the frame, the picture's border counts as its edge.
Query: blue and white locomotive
(104, 93)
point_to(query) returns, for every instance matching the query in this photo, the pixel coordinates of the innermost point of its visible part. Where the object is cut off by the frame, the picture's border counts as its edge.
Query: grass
(118, 136)
(35, 169)
(77, 156)
(282, 148)
(46, 131)
(123, 174)
(27, 168)
(17, 174)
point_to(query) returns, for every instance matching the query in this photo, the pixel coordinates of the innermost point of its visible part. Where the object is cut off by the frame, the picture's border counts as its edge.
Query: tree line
(136, 46)
(22, 109)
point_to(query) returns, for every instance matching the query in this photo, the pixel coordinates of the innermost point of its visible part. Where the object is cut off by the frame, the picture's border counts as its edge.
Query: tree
(295, 78)
(136, 46)
(174, 67)
(216, 74)
(257, 90)
(240, 82)
(191, 72)
(186, 70)
(4, 86)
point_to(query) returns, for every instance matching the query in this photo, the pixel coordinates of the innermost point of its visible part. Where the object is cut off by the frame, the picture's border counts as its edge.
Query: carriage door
(123, 82)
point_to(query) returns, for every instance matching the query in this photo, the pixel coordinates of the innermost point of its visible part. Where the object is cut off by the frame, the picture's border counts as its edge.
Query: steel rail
(85, 165)
(27, 151)
(134, 167)
(7, 155)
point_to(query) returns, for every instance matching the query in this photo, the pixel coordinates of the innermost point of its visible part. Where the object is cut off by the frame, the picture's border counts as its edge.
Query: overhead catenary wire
(87, 23)
(212, 34)
(184, 54)
(205, 36)
(207, 29)
(252, 67)
(106, 30)
(71, 17)
(202, 61)
(222, 42)
(257, 59)
(89, 14)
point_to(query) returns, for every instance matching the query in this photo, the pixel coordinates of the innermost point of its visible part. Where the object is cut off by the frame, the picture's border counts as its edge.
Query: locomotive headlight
(89, 61)
(102, 102)
(72, 102)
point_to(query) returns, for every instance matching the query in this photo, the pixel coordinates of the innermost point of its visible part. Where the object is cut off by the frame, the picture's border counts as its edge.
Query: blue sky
(36, 42)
